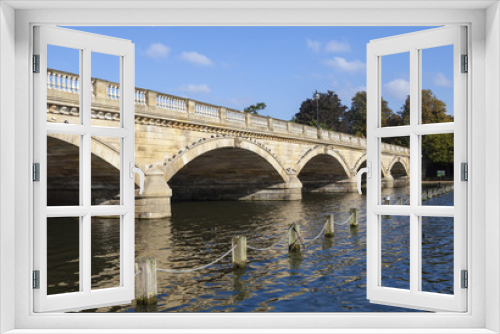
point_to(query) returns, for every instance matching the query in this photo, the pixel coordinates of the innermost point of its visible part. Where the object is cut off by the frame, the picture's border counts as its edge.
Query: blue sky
(281, 66)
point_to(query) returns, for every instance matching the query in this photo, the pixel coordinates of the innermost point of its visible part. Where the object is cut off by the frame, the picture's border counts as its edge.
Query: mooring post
(293, 238)
(387, 201)
(424, 195)
(330, 227)
(429, 193)
(239, 252)
(146, 286)
(354, 217)
(399, 201)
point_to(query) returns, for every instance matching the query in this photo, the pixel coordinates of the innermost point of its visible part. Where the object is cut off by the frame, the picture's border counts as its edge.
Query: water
(328, 276)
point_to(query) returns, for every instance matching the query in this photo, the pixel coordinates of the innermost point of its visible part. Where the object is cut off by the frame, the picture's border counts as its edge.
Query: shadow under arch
(320, 169)
(227, 169)
(63, 170)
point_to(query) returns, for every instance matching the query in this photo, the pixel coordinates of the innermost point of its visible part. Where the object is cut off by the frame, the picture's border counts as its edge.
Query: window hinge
(465, 64)
(464, 171)
(36, 172)
(36, 279)
(465, 279)
(36, 63)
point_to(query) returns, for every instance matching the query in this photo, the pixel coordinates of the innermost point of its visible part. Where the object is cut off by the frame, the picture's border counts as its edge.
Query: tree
(332, 113)
(357, 115)
(254, 109)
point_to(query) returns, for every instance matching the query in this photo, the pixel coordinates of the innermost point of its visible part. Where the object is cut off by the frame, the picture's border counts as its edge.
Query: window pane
(437, 84)
(105, 252)
(395, 162)
(63, 85)
(105, 173)
(395, 89)
(395, 252)
(106, 92)
(63, 255)
(437, 169)
(63, 169)
(437, 254)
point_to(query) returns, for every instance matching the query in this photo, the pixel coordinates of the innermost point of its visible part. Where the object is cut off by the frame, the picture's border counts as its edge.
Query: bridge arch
(63, 170)
(399, 166)
(188, 155)
(229, 168)
(322, 150)
(322, 169)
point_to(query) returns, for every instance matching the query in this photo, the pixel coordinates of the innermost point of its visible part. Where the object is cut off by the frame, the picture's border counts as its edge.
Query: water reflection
(329, 275)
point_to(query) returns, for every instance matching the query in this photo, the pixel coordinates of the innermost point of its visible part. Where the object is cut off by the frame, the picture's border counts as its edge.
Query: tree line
(437, 150)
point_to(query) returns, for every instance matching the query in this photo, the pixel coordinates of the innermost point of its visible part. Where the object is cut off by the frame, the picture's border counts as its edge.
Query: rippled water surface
(329, 275)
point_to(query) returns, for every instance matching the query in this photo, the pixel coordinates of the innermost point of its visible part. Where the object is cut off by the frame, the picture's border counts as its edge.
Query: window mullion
(414, 168)
(85, 167)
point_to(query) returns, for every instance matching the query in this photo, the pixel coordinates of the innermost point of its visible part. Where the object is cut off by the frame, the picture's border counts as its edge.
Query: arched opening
(321, 173)
(227, 173)
(400, 175)
(63, 175)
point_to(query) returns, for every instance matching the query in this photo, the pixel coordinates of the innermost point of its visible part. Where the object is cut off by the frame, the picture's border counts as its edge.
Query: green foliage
(437, 150)
(254, 108)
(332, 113)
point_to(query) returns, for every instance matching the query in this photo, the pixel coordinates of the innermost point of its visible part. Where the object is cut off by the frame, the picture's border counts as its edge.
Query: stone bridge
(193, 150)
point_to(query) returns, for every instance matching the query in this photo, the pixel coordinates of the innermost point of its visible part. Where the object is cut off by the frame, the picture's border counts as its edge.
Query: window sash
(413, 43)
(86, 44)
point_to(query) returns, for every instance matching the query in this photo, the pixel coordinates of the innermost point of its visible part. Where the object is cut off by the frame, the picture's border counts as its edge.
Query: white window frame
(85, 44)
(484, 49)
(414, 44)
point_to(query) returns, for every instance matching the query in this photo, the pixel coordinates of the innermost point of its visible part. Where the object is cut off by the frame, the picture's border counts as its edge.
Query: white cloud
(441, 80)
(346, 91)
(398, 89)
(157, 51)
(344, 65)
(336, 46)
(313, 45)
(196, 58)
(195, 89)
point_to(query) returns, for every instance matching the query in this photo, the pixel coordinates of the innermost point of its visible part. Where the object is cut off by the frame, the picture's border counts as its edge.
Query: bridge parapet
(63, 90)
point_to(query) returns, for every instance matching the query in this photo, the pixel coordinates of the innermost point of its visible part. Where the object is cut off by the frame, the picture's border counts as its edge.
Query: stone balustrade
(153, 104)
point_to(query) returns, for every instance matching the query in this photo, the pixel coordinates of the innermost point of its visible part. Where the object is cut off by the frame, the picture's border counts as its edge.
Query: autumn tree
(332, 113)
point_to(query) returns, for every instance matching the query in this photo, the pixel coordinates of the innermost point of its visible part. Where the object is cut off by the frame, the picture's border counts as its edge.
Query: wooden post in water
(399, 201)
(330, 227)
(387, 201)
(354, 217)
(429, 193)
(293, 238)
(240, 252)
(424, 195)
(146, 287)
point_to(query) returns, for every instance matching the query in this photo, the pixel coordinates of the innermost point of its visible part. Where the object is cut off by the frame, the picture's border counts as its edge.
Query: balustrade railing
(259, 121)
(62, 81)
(140, 97)
(235, 116)
(311, 132)
(295, 128)
(279, 125)
(70, 83)
(170, 103)
(206, 110)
